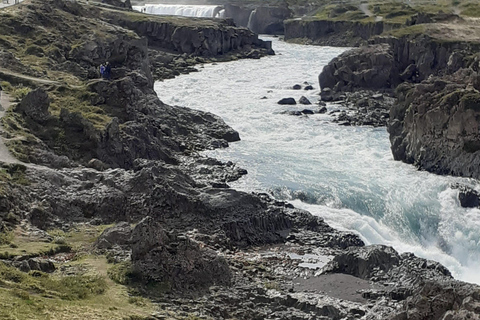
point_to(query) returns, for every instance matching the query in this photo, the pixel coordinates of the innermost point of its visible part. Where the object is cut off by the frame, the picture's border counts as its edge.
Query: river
(346, 175)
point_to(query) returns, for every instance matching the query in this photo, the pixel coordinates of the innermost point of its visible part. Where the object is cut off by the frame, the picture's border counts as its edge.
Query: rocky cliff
(118, 190)
(334, 33)
(432, 125)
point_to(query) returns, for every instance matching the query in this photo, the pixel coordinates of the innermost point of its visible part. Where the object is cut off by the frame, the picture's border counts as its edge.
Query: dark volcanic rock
(32, 264)
(335, 33)
(175, 260)
(117, 235)
(297, 87)
(364, 262)
(371, 67)
(304, 100)
(35, 106)
(287, 101)
(438, 130)
(469, 198)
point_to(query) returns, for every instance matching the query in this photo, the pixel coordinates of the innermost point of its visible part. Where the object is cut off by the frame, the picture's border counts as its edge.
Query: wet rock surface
(363, 108)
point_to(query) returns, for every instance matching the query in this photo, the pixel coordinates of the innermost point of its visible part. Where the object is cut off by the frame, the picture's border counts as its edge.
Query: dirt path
(7, 73)
(5, 155)
(364, 8)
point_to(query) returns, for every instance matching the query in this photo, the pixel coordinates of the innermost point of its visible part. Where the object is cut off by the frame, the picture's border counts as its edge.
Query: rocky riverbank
(435, 79)
(136, 223)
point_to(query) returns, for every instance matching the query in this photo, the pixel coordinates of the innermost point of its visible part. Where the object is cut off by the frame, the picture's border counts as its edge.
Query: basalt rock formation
(434, 125)
(108, 151)
(334, 33)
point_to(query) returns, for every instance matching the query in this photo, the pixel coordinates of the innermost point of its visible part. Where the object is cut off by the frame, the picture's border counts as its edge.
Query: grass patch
(66, 288)
(78, 99)
(408, 31)
(470, 9)
(14, 173)
(6, 237)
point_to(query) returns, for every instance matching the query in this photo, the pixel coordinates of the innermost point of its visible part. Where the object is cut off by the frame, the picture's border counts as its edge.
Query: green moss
(408, 31)
(6, 237)
(19, 92)
(14, 173)
(470, 9)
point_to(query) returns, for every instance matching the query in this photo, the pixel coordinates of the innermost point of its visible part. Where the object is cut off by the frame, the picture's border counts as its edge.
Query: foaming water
(347, 175)
(206, 11)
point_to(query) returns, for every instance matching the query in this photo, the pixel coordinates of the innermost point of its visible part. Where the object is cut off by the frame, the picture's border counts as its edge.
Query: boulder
(368, 67)
(307, 111)
(304, 100)
(35, 105)
(297, 87)
(290, 101)
(322, 110)
(175, 260)
(363, 262)
(308, 87)
(116, 235)
(469, 198)
(326, 94)
(35, 264)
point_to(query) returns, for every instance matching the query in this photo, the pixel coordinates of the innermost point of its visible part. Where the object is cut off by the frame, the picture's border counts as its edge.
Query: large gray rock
(371, 67)
(175, 260)
(363, 262)
(37, 264)
(117, 235)
(35, 105)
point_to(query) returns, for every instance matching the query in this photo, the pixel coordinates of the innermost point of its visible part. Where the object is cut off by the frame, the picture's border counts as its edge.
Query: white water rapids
(345, 174)
(205, 11)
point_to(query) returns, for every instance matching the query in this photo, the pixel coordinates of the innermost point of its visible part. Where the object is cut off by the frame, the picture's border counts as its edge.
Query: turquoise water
(345, 174)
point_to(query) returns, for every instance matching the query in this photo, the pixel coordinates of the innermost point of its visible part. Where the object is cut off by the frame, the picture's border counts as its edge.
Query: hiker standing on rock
(102, 71)
(108, 70)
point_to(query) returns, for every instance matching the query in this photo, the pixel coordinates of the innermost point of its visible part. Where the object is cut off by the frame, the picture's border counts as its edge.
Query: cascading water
(205, 11)
(347, 175)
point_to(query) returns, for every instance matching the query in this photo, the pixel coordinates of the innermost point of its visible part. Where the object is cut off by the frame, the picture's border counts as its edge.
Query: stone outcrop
(175, 260)
(372, 67)
(35, 106)
(334, 33)
(180, 36)
(434, 124)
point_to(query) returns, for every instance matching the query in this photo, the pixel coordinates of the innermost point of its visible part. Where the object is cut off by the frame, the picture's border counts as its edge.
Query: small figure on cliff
(102, 71)
(108, 70)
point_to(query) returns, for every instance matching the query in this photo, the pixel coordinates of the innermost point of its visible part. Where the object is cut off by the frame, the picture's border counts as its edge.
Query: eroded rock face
(335, 33)
(371, 67)
(175, 259)
(435, 124)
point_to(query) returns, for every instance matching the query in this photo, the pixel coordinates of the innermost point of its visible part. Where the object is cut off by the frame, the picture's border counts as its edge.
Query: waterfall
(206, 11)
(250, 19)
